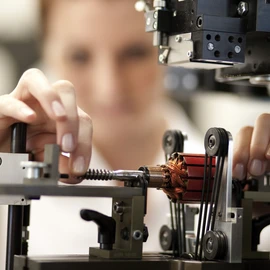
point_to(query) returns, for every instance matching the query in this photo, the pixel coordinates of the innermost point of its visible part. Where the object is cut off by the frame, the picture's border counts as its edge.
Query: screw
(124, 234)
(212, 141)
(168, 141)
(178, 38)
(161, 58)
(155, 25)
(209, 245)
(210, 46)
(148, 21)
(242, 8)
(199, 22)
(0, 161)
(237, 49)
(137, 235)
(155, 15)
(175, 13)
(190, 54)
(118, 208)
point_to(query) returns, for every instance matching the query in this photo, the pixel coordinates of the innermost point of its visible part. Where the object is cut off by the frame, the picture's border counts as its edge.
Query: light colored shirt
(56, 227)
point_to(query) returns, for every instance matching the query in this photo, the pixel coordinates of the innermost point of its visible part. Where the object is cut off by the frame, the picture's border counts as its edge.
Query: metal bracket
(129, 231)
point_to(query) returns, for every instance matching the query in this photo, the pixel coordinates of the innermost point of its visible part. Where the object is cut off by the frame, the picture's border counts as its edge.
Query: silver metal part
(44, 173)
(141, 6)
(181, 50)
(11, 173)
(164, 56)
(33, 169)
(72, 191)
(210, 46)
(237, 49)
(125, 175)
(233, 231)
(159, 4)
(229, 220)
(225, 197)
(242, 8)
(260, 80)
(137, 235)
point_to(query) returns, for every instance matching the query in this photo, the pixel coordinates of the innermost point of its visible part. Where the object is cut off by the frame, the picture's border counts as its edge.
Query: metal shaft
(15, 212)
(106, 175)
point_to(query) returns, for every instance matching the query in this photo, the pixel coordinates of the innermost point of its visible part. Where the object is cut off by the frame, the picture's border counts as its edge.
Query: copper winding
(181, 178)
(171, 177)
(176, 174)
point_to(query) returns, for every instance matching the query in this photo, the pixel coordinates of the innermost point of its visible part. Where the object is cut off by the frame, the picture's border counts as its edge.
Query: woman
(101, 48)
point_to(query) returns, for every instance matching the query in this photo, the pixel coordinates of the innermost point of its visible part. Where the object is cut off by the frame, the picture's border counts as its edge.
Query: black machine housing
(211, 34)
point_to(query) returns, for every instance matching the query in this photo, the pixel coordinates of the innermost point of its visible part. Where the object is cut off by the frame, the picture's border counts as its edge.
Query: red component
(186, 173)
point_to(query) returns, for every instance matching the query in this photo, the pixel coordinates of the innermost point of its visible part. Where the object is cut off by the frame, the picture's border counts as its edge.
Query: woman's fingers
(259, 147)
(16, 109)
(67, 129)
(80, 157)
(252, 149)
(53, 117)
(33, 83)
(242, 152)
(57, 101)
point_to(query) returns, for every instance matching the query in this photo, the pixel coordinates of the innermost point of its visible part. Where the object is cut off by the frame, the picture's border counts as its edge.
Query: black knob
(106, 227)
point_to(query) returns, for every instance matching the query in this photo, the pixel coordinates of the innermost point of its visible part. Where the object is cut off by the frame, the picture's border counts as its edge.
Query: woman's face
(102, 48)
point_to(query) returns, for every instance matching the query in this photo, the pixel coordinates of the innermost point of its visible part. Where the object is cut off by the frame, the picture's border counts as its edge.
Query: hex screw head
(137, 235)
(242, 8)
(210, 46)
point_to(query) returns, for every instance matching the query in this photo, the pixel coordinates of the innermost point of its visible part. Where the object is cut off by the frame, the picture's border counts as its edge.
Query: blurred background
(206, 102)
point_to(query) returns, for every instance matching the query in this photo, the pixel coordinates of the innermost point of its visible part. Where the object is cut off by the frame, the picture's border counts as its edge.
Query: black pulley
(173, 141)
(166, 238)
(216, 141)
(215, 245)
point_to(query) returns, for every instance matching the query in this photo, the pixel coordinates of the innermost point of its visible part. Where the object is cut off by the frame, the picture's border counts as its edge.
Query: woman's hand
(252, 149)
(52, 117)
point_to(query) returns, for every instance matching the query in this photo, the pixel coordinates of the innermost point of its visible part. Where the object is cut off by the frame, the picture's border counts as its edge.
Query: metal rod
(15, 212)
(205, 214)
(213, 193)
(179, 231)
(184, 227)
(217, 195)
(201, 207)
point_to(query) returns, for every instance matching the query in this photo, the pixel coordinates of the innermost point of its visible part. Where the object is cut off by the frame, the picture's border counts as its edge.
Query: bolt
(237, 49)
(155, 25)
(242, 8)
(190, 54)
(155, 15)
(212, 141)
(137, 235)
(168, 141)
(148, 21)
(124, 234)
(199, 22)
(178, 38)
(210, 46)
(161, 58)
(209, 245)
(118, 208)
